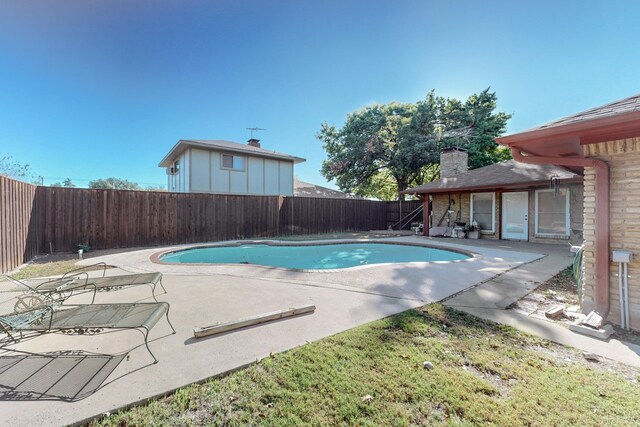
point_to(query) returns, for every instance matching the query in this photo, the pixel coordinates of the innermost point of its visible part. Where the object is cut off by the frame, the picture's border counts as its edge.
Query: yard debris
(591, 356)
(555, 312)
(573, 314)
(593, 320)
(367, 398)
(222, 327)
(427, 365)
(602, 333)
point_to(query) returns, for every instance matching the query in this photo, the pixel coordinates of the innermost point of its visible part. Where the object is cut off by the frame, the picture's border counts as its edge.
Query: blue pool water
(311, 257)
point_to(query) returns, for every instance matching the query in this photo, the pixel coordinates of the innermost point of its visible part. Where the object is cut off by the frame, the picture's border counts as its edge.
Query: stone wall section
(440, 203)
(453, 162)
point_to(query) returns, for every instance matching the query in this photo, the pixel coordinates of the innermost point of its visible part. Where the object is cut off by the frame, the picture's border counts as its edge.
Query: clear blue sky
(92, 89)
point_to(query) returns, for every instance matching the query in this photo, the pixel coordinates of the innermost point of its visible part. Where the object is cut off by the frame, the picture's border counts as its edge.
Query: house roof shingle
(566, 137)
(222, 145)
(626, 105)
(507, 174)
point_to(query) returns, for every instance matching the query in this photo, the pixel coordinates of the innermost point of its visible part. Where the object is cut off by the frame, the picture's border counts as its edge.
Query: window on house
(483, 210)
(552, 212)
(232, 162)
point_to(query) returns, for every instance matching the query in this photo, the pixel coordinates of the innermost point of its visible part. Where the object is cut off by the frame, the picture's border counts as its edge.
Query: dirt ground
(559, 290)
(562, 290)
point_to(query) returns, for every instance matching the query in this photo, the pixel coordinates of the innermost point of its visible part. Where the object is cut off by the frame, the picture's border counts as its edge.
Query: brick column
(425, 215)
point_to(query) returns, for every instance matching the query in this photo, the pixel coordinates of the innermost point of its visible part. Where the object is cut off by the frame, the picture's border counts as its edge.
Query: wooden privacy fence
(42, 219)
(397, 210)
(19, 229)
(311, 215)
(122, 219)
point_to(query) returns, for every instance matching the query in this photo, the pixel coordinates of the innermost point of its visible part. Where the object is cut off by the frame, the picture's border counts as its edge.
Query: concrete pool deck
(58, 379)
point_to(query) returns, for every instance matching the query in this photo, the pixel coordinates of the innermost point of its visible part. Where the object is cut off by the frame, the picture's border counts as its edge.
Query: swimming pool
(311, 257)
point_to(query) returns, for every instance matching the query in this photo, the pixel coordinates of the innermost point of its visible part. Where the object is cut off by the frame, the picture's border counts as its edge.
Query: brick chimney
(453, 161)
(254, 142)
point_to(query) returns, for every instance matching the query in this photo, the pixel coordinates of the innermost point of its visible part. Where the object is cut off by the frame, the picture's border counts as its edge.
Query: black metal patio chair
(26, 310)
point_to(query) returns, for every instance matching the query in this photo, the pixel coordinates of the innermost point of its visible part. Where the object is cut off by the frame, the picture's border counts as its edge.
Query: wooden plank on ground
(219, 328)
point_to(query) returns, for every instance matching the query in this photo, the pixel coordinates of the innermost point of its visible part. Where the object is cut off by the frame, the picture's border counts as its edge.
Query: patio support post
(601, 243)
(425, 215)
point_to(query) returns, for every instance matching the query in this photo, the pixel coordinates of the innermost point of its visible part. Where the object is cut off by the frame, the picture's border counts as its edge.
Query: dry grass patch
(47, 269)
(483, 374)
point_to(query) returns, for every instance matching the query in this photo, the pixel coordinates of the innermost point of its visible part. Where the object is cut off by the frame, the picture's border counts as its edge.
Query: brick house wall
(623, 157)
(439, 205)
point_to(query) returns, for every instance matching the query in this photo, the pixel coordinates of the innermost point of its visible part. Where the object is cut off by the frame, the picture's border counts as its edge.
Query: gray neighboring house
(225, 167)
(306, 189)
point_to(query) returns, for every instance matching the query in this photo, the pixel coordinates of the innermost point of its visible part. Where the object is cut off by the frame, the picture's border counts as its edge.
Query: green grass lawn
(483, 374)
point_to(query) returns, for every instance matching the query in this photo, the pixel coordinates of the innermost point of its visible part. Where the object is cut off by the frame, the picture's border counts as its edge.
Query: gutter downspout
(601, 242)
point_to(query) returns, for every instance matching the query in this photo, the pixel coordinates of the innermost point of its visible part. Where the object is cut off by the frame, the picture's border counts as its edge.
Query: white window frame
(567, 220)
(233, 157)
(493, 211)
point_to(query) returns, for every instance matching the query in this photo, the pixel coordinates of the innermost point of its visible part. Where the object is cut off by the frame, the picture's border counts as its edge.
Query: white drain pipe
(626, 295)
(621, 296)
(623, 258)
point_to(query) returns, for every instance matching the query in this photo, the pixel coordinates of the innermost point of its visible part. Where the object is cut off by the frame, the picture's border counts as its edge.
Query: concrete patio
(59, 379)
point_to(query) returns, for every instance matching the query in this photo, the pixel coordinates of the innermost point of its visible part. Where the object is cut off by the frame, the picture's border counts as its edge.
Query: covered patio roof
(504, 175)
(565, 137)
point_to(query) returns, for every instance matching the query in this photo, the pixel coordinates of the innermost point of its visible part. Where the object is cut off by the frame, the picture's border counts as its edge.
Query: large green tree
(122, 184)
(67, 183)
(398, 144)
(474, 125)
(114, 183)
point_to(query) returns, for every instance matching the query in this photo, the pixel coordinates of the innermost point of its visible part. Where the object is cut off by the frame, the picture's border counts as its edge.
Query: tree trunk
(402, 185)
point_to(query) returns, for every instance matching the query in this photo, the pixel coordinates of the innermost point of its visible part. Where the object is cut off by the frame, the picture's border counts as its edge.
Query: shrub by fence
(42, 219)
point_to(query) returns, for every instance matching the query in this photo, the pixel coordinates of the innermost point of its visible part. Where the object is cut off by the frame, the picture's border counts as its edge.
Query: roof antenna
(254, 129)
